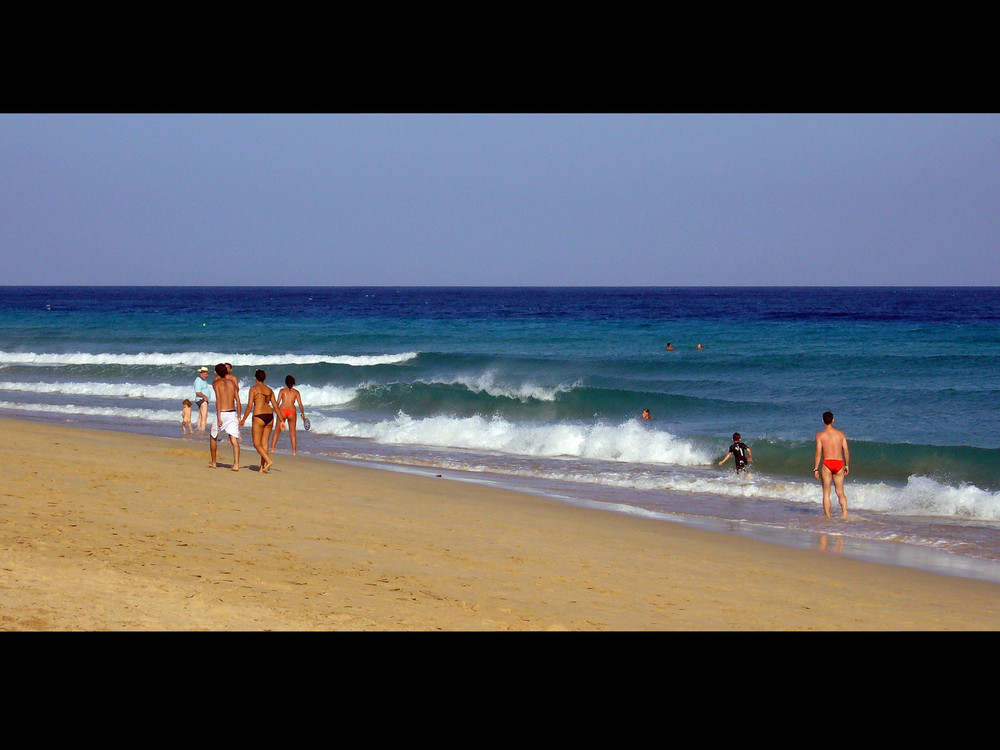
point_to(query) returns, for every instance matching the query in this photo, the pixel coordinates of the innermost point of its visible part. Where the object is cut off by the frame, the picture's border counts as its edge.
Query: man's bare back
(226, 392)
(227, 401)
(832, 463)
(833, 443)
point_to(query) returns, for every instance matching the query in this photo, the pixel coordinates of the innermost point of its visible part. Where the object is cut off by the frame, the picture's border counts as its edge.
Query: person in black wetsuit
(740, 452)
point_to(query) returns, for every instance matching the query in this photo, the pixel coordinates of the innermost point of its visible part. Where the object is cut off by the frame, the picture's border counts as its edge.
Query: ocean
(541, 390)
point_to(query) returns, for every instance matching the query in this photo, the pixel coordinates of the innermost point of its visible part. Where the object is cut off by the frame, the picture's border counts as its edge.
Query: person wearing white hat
(202, 394)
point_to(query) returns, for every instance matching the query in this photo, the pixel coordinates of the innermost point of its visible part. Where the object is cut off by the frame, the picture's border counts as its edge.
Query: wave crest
(628, 442)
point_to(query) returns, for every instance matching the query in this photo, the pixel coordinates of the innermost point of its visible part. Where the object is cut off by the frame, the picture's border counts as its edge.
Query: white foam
(922, 496)
(196, 359)
(109, 412)
(316, 397)
(487, 383)
(325, 395)
(627, 442)
(166, 391)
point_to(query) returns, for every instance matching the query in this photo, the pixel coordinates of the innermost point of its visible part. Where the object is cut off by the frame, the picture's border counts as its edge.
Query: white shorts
(230, 425)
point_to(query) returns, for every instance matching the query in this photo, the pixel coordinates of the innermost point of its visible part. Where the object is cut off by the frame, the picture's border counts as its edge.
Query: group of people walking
(271, 413)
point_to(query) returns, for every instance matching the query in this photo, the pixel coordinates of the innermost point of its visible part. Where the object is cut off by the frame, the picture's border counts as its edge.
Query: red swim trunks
(288, 412)
(833, 464)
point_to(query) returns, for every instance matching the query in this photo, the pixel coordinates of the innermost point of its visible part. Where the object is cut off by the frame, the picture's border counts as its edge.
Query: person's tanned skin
(227, 398)
(831, 443)
(261, 402)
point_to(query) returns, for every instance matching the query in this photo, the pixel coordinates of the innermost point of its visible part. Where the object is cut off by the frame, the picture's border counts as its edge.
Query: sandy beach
(110, 531)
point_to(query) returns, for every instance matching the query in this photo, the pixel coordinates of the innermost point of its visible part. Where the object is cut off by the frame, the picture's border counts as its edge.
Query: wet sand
(112, 531)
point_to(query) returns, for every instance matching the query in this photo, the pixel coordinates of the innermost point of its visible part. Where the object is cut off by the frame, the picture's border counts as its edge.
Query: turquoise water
(544, 388)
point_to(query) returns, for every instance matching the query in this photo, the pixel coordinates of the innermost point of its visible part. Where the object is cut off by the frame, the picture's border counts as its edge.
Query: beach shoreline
(113, 531)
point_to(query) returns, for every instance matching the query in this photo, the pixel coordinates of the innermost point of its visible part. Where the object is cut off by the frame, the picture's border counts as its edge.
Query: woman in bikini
(261, 401)
(287, 398)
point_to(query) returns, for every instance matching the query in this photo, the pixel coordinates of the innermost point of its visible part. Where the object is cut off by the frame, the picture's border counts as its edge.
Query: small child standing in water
(186, 417)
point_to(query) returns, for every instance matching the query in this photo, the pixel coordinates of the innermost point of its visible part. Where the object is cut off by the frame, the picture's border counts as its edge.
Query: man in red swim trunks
(831, 447)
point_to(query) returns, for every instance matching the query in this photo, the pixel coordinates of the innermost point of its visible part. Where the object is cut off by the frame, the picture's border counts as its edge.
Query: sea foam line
(196, 359)
(110, 412)
(168, 391)
(312, 396)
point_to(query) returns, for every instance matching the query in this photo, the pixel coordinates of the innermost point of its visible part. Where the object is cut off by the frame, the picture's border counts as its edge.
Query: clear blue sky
(500, 199)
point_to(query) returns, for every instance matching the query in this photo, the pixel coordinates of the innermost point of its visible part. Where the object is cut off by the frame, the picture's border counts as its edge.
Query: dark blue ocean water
(543, 388)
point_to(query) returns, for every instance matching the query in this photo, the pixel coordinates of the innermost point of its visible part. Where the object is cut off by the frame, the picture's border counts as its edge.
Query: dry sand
(110, 531)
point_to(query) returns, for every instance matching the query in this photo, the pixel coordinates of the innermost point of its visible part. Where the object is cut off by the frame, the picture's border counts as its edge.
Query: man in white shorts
(227, 410)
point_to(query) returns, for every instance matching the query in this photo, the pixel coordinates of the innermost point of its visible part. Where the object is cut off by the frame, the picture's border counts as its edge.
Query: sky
(657, 199)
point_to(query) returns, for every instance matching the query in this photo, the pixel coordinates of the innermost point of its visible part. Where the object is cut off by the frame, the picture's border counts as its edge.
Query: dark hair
(260, 375)
(828, 417)
(736, 436)
(220, 370)
(289, 381)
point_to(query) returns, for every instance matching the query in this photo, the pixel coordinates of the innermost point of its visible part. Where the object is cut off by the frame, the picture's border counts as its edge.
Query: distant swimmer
(645, 414)
(740, 452)
(698, 347)
(831, 448)
(670, 347)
